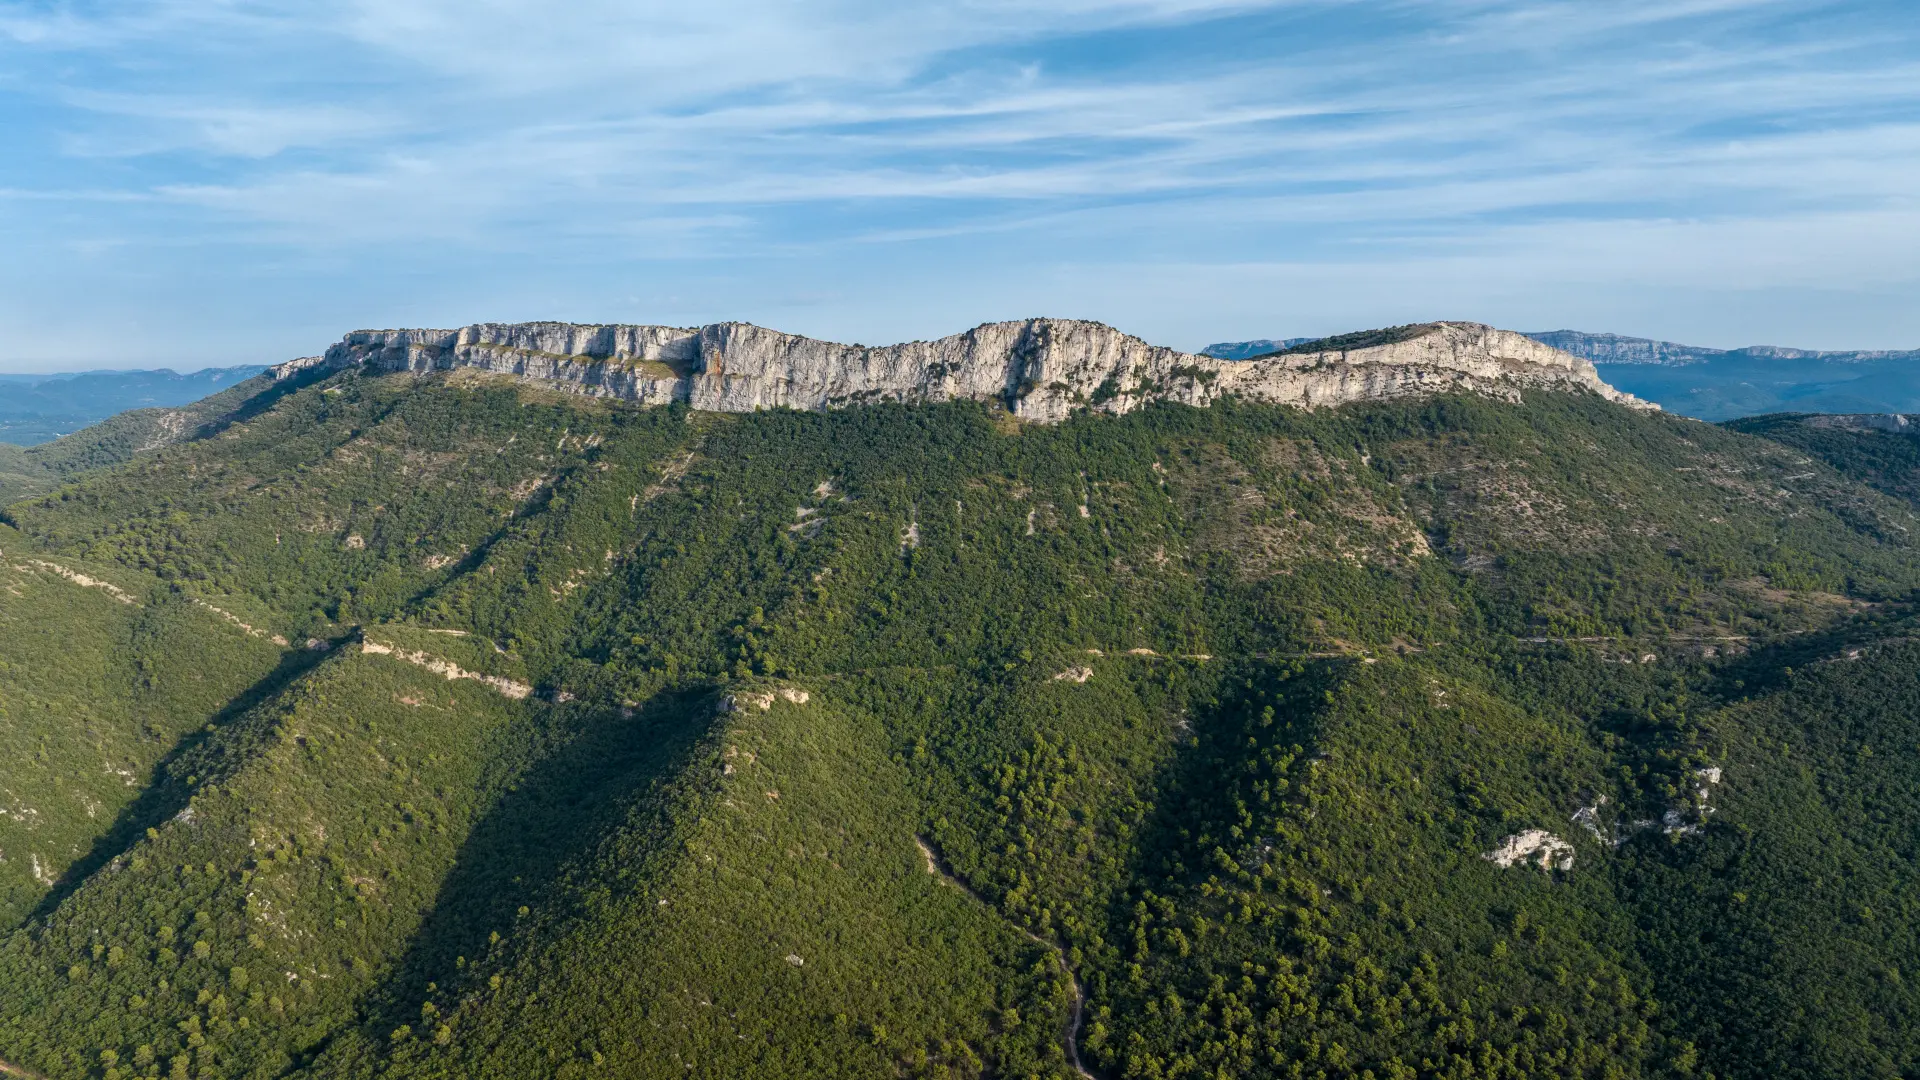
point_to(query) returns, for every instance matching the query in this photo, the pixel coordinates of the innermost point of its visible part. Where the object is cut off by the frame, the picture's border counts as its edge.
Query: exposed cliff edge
(1042, 369)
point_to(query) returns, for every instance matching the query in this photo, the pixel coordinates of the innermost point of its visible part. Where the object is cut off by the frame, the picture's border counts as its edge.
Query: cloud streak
(760, 138)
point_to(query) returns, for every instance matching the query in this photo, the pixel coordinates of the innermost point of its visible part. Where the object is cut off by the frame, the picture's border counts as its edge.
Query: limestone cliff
(1041, 369)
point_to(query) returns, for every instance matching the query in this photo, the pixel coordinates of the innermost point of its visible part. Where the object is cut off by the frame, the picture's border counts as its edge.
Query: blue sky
(196, 182)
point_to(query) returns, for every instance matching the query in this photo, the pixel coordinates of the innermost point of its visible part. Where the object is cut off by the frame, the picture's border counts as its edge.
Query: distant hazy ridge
(1617, 349)
(37, 408)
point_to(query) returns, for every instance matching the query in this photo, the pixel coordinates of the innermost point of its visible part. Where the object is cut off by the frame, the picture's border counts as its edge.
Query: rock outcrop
(1535, 847)
(1889, 422)
(1041, 369)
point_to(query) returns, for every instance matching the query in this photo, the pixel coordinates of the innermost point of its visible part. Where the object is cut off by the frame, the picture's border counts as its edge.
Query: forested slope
(646, 742)
(30, 469)
(94, 701)
(1887, 461)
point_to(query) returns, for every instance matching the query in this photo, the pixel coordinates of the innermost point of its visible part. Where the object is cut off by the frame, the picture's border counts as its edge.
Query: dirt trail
(938, 868)
(8, 1068)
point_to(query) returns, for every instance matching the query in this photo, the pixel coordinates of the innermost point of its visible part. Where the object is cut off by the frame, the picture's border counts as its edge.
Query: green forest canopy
(455, 727)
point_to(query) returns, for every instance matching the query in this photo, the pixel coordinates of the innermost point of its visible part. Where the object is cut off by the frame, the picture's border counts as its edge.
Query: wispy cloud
(765, 138)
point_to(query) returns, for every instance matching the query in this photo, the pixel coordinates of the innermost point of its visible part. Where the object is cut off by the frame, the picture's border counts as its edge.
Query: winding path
(938, 868)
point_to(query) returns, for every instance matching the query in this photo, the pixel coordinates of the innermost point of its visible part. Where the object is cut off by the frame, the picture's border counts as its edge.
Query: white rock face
(1588, 818)
(733, 703)
(1691, 819)
(1536, 847)
(1041, 369)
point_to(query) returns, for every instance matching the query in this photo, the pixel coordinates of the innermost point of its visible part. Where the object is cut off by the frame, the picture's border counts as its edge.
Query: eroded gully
(938, 868)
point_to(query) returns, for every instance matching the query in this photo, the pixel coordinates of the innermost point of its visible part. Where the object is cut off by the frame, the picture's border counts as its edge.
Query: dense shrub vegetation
(479, 731)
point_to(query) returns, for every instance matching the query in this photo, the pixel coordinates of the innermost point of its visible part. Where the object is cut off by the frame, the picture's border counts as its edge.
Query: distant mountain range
(1245, 350)
(37, 408)
(1618, 349)
(1719, 384)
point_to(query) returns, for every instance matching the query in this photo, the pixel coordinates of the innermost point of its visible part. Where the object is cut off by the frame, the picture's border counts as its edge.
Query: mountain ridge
(1609, 348)
(1726, 384)
(1622, 349)
(1042, 369)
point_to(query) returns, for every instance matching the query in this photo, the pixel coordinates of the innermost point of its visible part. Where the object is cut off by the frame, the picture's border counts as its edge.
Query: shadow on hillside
(1764, 669)
(551, 818)
(166, 791)
(536, 505)
(263, 401)
(1190, 798)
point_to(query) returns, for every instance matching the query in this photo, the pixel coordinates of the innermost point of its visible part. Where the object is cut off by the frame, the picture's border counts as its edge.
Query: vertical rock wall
(1041, 369)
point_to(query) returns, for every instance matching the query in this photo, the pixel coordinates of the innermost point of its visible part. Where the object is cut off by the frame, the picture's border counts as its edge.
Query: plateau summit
(1043, 369)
